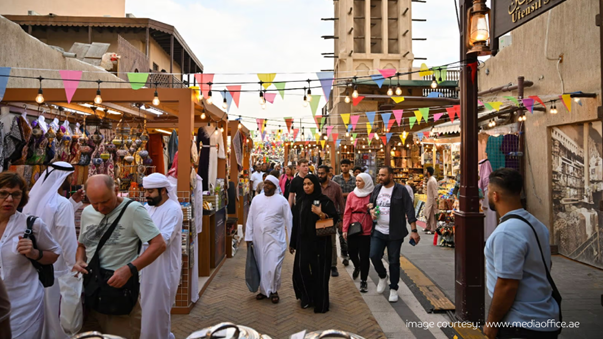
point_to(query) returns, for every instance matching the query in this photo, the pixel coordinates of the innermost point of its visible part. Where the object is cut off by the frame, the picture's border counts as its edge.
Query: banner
(378, 79)
(335, 136)
(295, 132)
(537, 99)
(281, 88)
(529, 104)
(270, 97)
(389, 136)
(412, 121)
(513, 99)
(398, 113)
(266, 79)
(384, 140)
(425, 113)
(496, 105)
(346, 119)
(368, 128)
(354, 119)
(451, 113)
(419, 116)
(329, 130)
(386, 117)
(437, 116)
(397, 99)
(567, 101)
(388, 72)
(371, 117)
(71, 79)
(138, 80)
(314, 103)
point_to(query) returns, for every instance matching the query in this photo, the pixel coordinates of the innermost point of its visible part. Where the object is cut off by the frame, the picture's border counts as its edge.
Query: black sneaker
(363, 287)
(345, 262)
(356, 273)
(334, 272)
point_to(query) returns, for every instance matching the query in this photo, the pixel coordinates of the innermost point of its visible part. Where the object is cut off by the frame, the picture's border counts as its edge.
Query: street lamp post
(469, 238)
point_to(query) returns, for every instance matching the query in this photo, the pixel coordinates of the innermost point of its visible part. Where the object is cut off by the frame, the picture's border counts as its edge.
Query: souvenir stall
(114, 136)
(317, 153)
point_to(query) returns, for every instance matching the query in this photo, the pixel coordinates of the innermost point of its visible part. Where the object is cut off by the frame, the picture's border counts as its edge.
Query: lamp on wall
(479, 22)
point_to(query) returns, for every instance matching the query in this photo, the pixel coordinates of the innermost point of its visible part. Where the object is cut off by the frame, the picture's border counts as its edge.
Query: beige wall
(22, 50)
(573, 34)
(162, 59)
(114, 8)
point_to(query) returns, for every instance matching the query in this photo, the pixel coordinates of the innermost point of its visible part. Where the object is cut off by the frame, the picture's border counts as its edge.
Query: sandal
(274, 298)
(260, 297)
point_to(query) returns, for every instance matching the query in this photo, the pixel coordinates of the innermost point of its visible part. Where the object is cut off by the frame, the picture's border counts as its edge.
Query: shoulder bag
(101, 297)
(325, 227)
(45, 272)
(356, 227)
(556, 294)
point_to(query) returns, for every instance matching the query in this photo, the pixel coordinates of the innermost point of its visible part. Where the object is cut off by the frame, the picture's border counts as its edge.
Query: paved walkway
(228, 299)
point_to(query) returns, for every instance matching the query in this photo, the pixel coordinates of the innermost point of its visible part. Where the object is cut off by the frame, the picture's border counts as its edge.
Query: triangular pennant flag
(371, 117)
(4, 76)
(329, 130)
(369, 128)
(203, 80)
(378, 79)
(337, 142)
(370, 138)
(403, 136)
(71, 79)
(424, 70)
(314, 103)
(138, 80)
(313, 130)
(260, 123)
(295, 132)
(420, 135)
(307, 142)
(384, 140)
(441, 74)
(354, 119)
(317, 121)
(398, 115)
(567, 101)
(386, 117)
(495, 105)
(355, 140)
(425, 113)
(457, 111)
(322, 122)
(235, 92)
(419, 116)
(317, 137)
(473, 67)
(437, 116)
(397, 99)
(270, 97)
(263, 135)
(514, 99)
(529, 104)
(388, 72)
(326, 82)
(426, 134)
(266, 79)
(537, 99)
(412, 121)
(335, 136)
(356, 101)
(349, 128)
(390, 124)
(488, 106)
(281, 88)
(389, 136)
(323, 143)
(289, 122)
(346, 119)
(479, 102)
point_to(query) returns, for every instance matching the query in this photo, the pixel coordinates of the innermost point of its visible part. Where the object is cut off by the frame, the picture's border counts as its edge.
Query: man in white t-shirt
(395, 206)
(256, 179)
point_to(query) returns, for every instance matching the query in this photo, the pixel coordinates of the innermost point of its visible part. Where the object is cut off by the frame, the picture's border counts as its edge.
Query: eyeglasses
(15, 195)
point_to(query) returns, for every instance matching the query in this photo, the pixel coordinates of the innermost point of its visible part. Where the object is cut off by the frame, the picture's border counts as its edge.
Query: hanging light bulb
(493, 123)
(398, 89)
(355, 93)
(263, 105)
(222, 129)
(97, 99)
(203, 116)
(325, 137)
(40, 96)
(553, 109)
(576, 100)
(224, 102)
(216, 131)
(156, 97)
(347, 134)
(305, 103)
(240, 126)
(347, 97)
(434, 83)
(309, 91)
(261, 98)
(390, 92)
(210, 100)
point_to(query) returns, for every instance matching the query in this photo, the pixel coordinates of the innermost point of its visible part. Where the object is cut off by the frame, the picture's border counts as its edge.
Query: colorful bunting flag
(71, 79)
(529, 104)
(354, 119)
(235, 92)
(203, 80)
(397, 99)
(403, 137)
(138, 80)
(337, 143)
(425, 71)
(419, 116)
(266, 79)
(441, 74)
(313, 130)
(314, 103)
(317, 121)
(370, 138)
(384, 140)
(270, 97)
(420, 135)
(322, 122)
(488, 106)
(386, 117)
(4, 76)
(281, 88)
(356, 101)
(495, 105)
(388, 72)
(390, 124)
(567, 101)
(326, 82)
(349, 128)
(437, 116)
(369, 128)
(289, 122)
(329, 130)
(295, 132)
(457, 111)
(412, 121)
(371, 117)
(323, 143)
(378, 79)
(260, 123)
(513, 99)
(537, 99)
(398, 113)
(346, 119)
(426, 134)
(335, 136)
(425, 113)
(389, 136)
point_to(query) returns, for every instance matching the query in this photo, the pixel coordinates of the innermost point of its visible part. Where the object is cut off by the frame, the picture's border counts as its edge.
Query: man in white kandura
(269, 217)
(57, 212)
(159, 280)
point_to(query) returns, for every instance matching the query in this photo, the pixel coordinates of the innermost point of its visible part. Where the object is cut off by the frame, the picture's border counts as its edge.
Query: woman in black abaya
(312, 266)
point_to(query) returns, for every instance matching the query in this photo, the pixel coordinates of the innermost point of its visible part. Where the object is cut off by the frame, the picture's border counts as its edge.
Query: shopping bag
(252, 273)
(72, 315)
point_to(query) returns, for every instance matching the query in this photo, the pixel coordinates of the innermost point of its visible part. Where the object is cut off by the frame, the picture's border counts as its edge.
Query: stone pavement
(228, 299)
(581, 286)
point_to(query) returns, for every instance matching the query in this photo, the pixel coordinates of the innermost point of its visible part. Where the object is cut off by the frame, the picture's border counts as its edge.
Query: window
(155, 67)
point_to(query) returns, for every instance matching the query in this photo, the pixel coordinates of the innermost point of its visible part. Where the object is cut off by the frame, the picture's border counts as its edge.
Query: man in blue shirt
(516, 274)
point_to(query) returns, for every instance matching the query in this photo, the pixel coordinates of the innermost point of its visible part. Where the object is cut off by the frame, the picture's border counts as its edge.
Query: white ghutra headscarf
(158, 180)
(44, 194)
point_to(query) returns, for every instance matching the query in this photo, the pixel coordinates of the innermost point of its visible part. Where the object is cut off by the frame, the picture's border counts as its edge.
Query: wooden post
(89, 34)
(182, 65)
(186, 123)
(147, 42)
(172, 59)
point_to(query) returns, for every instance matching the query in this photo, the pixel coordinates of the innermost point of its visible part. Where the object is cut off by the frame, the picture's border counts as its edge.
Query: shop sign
(510, 14)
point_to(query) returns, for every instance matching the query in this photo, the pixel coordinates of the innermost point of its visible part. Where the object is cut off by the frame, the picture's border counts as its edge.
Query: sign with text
(510, 14)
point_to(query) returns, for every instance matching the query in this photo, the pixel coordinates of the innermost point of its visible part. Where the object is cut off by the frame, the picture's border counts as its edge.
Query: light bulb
(263, 105)
(224, 104)
(240, 125)
(434, 84)
(305, 104)
(222, 129)
(200, 96)
(210, 101)
(156, 99)
(398, 90)
(390, 92)
(261, 98)
(347, 134)
(203, 116)
(355, 93)
(576, 100)
(325, 137)
(347, 99)
(98, 100)
(40, 97)
(309, 94)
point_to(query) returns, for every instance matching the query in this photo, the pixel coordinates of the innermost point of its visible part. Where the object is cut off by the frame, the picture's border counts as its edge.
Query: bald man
(119, 254)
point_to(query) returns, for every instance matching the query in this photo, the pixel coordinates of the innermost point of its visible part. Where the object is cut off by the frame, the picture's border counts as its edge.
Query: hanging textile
(172, 147)
(493, 150)
(155, 148)
(211, 147)
(510, 144)
(237, 143)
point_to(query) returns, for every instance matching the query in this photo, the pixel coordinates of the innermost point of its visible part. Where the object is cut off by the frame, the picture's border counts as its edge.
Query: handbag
(325, 228)
(356, 227)
(252, 273)
(45, 272)
(101, 297)
(556, 294)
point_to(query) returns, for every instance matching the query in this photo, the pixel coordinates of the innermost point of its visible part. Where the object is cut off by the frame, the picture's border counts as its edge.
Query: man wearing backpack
(518, 260)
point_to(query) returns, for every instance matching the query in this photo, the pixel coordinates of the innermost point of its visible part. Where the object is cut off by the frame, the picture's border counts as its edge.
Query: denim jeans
(378, 243)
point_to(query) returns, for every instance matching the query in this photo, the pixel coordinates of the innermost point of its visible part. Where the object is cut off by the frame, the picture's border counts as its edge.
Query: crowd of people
(126, 262)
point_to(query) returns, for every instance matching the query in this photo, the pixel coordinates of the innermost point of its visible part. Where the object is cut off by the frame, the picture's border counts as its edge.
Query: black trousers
(359, 248)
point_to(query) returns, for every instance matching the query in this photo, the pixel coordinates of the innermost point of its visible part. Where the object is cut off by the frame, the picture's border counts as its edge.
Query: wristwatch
(414, 231)
(40, 255)
(133, 269)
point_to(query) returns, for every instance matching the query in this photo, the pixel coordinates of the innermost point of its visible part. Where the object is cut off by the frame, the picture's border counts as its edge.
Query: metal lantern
(479, 22)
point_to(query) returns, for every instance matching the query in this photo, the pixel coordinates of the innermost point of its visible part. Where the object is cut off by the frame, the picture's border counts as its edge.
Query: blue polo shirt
(512, 253)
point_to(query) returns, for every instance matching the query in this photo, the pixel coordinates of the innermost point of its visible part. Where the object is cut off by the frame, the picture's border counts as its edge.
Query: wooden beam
(172, 59)
(186, 107)
(182, 65)
(147, 41)
(89, 34)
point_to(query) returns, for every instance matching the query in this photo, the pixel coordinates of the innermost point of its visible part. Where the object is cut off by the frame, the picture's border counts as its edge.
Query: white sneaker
(381, 285)
(393, 296)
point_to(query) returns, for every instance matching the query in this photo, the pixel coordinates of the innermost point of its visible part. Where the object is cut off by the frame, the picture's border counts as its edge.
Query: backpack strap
(109, 231)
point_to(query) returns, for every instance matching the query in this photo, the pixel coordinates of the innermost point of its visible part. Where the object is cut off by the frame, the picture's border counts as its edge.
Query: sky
(236, 39)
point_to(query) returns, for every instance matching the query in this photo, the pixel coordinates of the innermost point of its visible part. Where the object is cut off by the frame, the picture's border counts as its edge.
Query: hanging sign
(510, 14)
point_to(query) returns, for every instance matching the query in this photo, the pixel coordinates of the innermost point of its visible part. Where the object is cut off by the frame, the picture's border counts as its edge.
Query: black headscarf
(308, 219)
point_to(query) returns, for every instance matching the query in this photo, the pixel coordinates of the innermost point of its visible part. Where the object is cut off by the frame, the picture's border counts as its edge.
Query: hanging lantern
(479, 22)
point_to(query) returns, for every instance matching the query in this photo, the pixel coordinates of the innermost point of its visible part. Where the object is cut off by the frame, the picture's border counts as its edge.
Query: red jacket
(356, 211)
